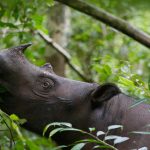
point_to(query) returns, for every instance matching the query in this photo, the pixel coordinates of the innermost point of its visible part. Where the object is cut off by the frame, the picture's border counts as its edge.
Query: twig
(63, 52)
(97, 139)
(107, 18)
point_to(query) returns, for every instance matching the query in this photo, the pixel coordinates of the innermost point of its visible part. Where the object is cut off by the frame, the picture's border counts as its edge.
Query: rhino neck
(134, 119)
(118, 111)
(111, 112)
(137, 117)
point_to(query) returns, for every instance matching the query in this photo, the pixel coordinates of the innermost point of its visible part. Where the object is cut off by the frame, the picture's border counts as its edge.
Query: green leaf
(125, 68)
(107, 69)
(59, 147)
(92, 129)
(115, 127)
(7, 24)
(97, 68)
(102, 147)
(90, 141)
(14, 117)
(62, 130)
(100, 133)
(87, 140)
(111, 137)
(56, 124)
(32, 146)
(53, 132)
(126, 82)
(15, 126)
(120, 140)
(22, 121)
(117, 139)
(19, 145)
(72, 129)
(61, 124)
(78, 146)
(141, 132)
(50, 2)
(143, 148)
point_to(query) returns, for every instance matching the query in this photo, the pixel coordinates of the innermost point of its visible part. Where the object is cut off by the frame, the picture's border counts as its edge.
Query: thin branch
(113, 21)
(55, 45)
(97, 139)
(63, 52)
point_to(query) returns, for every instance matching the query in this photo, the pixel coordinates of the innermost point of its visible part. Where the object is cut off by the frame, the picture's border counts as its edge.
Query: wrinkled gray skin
(42, 97)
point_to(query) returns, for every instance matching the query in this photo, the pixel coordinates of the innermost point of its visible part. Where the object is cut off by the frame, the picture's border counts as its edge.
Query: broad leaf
(92, 129)
(78, 146)
(54, 131)
(100, 133)
(143, 148)
(115, 127)
(141, 132)
(56, 124)
(111, 137)
(14, 117)
(120, 140)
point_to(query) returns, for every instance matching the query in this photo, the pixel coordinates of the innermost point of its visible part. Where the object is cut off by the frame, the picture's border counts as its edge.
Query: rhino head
(41, 97)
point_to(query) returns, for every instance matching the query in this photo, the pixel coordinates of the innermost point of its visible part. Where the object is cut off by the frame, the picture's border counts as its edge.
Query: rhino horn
(20, 49)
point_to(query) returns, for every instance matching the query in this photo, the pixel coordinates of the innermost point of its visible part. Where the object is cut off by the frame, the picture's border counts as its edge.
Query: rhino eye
(43, 86)
(46, 84)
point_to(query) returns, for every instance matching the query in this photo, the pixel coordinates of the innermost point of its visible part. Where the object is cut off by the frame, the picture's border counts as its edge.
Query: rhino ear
(104, 92)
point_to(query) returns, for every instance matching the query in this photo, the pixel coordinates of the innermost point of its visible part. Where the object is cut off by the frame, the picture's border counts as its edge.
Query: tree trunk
(58, 26)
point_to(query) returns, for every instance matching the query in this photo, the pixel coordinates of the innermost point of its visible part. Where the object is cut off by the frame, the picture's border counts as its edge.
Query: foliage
(110, 69)
(109, 56)
(19, 21)
(15, 138)
(92, 139)
(94, 39)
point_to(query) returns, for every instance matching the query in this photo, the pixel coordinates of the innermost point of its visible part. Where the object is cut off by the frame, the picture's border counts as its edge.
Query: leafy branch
(63, 52)
(94, 139)
(107, 18)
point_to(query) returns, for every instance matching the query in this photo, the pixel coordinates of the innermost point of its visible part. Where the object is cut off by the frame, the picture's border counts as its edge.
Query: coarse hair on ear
(104, 92)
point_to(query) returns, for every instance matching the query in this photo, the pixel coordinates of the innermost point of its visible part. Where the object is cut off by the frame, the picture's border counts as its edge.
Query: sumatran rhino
(42, 97)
